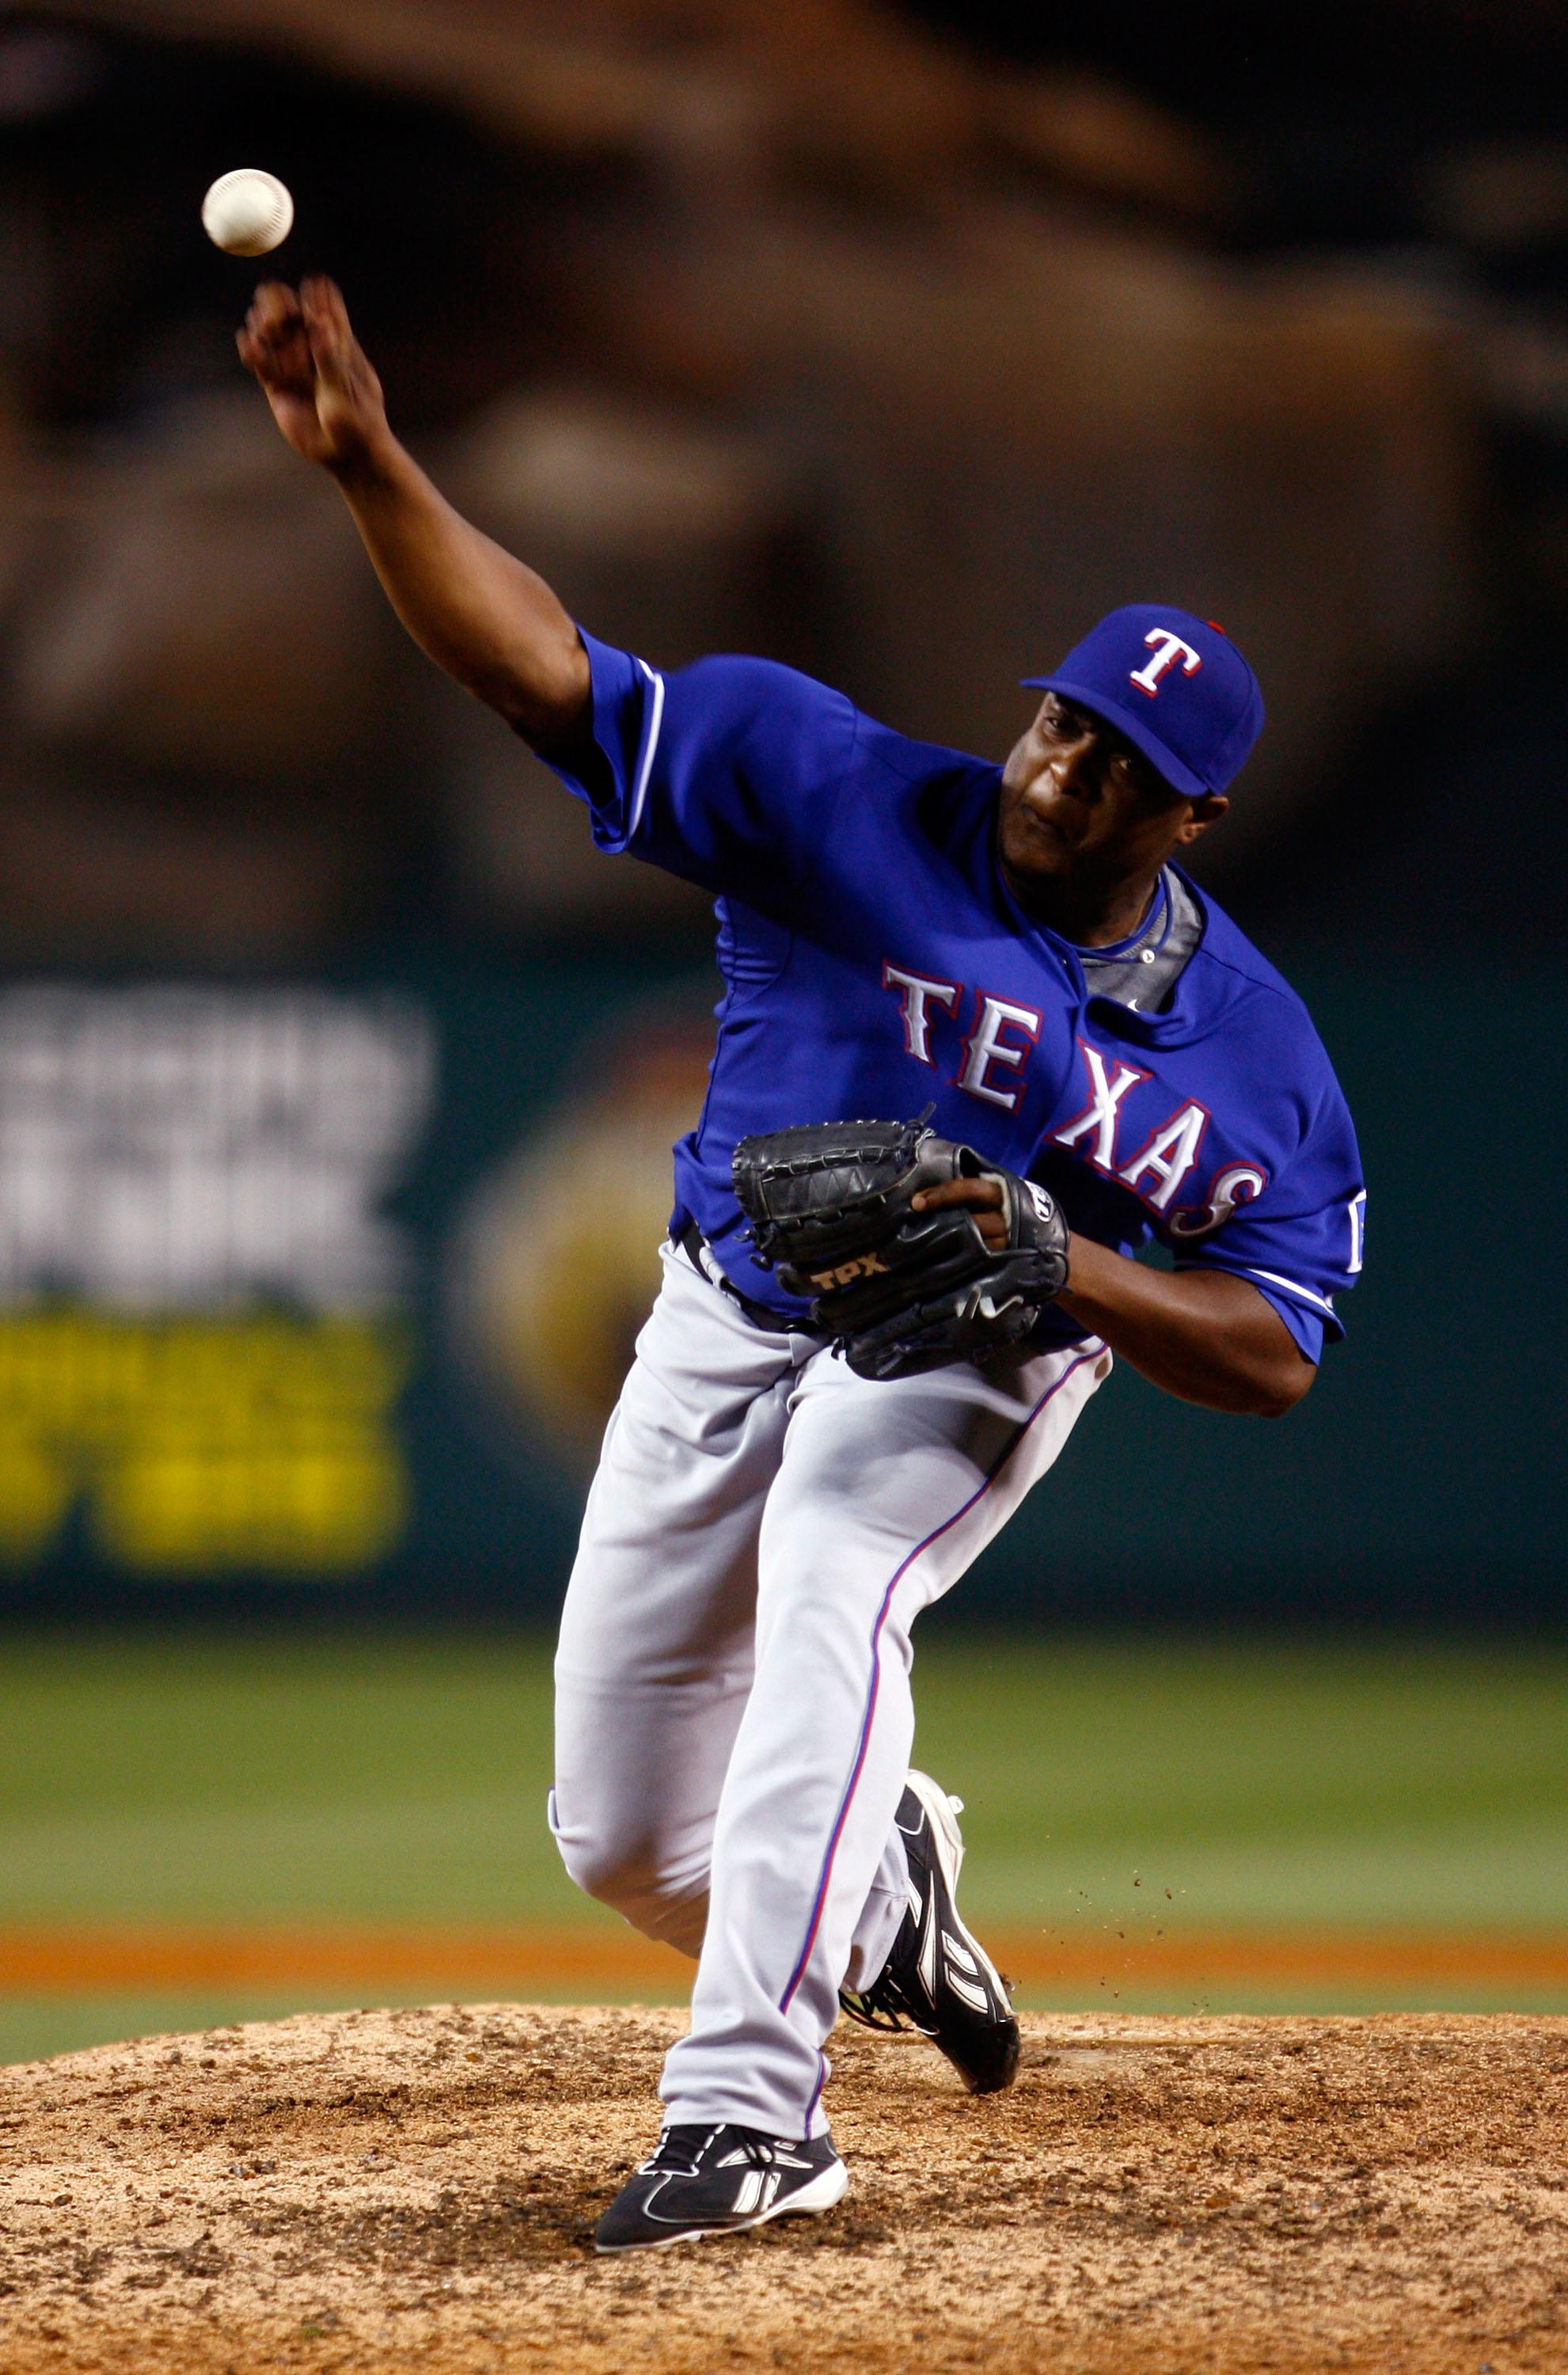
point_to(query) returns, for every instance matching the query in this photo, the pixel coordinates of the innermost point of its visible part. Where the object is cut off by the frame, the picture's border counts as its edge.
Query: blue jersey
(875, 962)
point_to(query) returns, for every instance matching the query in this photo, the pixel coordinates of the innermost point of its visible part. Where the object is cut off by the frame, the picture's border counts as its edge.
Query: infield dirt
(415, 2189)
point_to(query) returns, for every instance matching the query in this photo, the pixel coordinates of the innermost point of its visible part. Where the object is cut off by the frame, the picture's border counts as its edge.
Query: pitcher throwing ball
(1062, 1051)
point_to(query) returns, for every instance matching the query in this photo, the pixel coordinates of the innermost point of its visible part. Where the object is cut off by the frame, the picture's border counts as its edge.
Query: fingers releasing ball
(247, 212)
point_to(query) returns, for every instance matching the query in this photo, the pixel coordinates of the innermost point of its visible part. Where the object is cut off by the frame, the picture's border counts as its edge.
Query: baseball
(247, 212)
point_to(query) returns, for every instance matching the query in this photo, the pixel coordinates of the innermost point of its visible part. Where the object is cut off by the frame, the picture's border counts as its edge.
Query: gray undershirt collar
(1142, 974)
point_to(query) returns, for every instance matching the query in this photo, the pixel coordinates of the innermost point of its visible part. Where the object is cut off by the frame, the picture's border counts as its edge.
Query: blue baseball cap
(1174, 685)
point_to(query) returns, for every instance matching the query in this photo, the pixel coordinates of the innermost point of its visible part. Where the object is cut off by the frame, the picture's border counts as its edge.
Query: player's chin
(1032, 846)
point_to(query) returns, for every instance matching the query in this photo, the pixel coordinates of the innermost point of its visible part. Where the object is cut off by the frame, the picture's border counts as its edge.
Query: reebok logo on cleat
(719, 2180)
(939, 1979)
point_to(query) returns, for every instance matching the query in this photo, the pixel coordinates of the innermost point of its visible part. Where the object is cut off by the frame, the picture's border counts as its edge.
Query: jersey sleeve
(725, 772)
(1300, 1238)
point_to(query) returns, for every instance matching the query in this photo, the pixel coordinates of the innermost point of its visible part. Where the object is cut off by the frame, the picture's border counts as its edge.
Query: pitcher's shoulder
(1237, 962)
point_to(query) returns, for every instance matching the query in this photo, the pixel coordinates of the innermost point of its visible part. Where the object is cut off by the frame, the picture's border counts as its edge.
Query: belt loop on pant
(705, 1263)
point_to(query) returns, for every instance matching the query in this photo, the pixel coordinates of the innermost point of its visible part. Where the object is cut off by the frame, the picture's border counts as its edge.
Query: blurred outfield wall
(315, 1293)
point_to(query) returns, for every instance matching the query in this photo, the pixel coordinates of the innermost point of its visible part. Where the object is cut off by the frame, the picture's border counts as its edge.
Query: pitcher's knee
(601, 1864)
(623, 1869)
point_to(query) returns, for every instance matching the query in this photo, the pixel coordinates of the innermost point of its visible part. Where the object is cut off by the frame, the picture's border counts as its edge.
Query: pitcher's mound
(415, 2189)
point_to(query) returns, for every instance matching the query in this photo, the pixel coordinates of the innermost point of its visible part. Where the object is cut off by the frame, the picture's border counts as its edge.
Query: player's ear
(1201, 813)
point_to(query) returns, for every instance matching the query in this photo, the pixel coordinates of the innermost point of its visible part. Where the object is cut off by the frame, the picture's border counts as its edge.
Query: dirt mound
(415, 2189)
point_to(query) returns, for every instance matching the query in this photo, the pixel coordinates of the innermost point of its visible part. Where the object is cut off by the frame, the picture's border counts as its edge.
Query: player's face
(1082, 811)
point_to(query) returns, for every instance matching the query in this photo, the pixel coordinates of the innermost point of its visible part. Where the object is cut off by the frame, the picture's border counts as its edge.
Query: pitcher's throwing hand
(323, 394)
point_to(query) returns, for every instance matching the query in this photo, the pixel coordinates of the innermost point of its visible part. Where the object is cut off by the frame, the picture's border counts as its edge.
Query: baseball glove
(897, 1291)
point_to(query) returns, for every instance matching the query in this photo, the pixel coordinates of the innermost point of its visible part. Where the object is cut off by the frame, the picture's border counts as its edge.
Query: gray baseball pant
(733, 1710)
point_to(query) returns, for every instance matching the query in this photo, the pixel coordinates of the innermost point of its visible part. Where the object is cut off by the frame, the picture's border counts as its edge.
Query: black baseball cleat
(939, 1978)
(720, 2181)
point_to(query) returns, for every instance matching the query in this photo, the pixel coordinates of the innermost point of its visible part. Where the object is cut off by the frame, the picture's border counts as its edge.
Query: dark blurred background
(898, 344)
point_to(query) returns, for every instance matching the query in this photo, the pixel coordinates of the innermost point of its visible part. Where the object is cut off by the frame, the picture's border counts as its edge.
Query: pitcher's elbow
(1285, 1390)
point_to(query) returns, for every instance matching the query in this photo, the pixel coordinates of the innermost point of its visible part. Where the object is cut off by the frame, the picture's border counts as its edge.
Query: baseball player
(905, 932)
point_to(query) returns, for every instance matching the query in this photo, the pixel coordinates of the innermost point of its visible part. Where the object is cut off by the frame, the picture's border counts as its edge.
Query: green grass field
(1264, 1785)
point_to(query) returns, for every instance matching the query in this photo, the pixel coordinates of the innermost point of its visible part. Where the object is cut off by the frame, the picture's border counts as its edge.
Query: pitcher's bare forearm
(480, 613)
(1202, 1334)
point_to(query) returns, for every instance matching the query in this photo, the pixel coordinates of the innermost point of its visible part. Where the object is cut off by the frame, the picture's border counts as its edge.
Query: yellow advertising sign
(198, 1445)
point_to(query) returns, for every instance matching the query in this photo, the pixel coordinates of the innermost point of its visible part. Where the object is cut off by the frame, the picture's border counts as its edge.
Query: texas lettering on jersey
(1167, 1154)
(875, 963)
(1162, 1170)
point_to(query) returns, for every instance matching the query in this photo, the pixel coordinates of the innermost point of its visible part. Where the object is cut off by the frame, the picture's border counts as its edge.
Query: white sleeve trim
(640, 794)
(1289, 1286)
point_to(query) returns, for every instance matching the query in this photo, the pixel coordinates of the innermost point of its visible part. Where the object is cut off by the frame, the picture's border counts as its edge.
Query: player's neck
(1090, 916)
